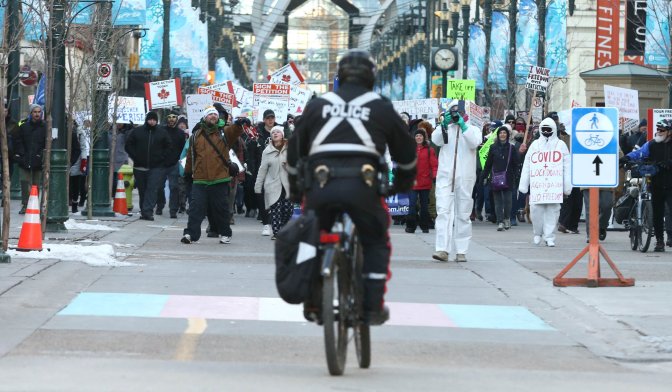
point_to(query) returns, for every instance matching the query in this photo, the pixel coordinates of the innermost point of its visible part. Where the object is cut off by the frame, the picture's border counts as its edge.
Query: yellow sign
(462, 89)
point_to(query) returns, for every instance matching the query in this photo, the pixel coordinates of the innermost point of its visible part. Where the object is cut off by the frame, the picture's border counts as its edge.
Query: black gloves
(242, 121)
(623, 160)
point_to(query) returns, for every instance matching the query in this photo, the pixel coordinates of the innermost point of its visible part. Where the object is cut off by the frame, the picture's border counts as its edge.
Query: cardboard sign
(537, 78)
(271, 96)
(289, 74)
(475, 113)
(129, 109)
(226, 99)
(546, 177)
(163, 94)
(624, 99)
(298, 98)
(462, 89)
(196, 104)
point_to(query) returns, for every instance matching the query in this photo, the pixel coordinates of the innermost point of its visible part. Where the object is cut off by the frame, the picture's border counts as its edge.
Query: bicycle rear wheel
(335, 325)
(360, 330)
(646, 231)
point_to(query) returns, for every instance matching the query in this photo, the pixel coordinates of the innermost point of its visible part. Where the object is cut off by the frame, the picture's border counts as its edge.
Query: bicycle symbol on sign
(594, 140)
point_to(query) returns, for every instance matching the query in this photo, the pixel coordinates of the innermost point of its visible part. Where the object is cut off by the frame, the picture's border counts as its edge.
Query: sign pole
(529, 118)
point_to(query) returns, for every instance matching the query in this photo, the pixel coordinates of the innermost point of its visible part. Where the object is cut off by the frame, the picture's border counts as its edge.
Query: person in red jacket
(426, 173)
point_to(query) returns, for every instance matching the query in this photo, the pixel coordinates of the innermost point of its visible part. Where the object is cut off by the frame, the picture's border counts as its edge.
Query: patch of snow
(94, 255)
(72, 224)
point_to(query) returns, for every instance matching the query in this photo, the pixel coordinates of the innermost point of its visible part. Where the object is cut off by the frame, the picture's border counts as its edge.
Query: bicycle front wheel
(335, 329)
(361, 331)
(634, 228)
(646, 231)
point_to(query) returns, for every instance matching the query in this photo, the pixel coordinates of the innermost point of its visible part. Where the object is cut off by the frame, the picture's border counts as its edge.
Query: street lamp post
(99, 197)
(466, 10)
(57, 211)
(513, 11)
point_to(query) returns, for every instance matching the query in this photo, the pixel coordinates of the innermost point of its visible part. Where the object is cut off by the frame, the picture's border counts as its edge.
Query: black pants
(148, 182)
(249, 197)
(78, 189)
(570, 212)
(369, 213)
(209, 197)
(659, 199)
(172, 174)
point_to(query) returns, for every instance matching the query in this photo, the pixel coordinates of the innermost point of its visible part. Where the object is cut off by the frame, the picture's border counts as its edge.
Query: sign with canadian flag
(163, 94)
(289, 74)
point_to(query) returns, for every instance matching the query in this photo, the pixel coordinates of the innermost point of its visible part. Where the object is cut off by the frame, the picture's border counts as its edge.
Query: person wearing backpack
(208, 165)
(501, 166)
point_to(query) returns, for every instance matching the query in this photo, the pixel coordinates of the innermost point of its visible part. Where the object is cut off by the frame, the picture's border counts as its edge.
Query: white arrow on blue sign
(595, 147)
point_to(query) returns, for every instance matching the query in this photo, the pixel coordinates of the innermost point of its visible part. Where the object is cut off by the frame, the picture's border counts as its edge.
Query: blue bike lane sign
(594, 147)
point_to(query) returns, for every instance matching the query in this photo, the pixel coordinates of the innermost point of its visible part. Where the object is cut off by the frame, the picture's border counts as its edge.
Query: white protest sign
(226, 99)
(298, 98)
(475, 113)
(653, 116)
(196, 104)
(546, 177)
(426, 108)
(624, 99)
(272, 96)
(163, 94)
(537, 109)
(226, 87)
(287, 74)
(537, 78)
(129, 109)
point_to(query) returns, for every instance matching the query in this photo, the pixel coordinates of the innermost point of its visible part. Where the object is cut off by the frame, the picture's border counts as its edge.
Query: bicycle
(594, 139)
(342, 295)
(638, 177)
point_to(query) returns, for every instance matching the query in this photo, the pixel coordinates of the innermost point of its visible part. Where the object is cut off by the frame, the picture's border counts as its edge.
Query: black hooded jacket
(148, 146)
(498, 159)
(29, 144)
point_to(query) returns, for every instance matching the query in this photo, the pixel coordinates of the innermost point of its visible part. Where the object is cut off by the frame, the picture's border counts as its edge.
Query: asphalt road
(205, 317)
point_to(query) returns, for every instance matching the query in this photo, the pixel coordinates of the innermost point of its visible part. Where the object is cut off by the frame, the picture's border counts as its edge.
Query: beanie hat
(151, 116)
(510, 117)
(278, 128)
(268, 112)
(210, 110)
(182, 120)
(643, 123)
(33, 106)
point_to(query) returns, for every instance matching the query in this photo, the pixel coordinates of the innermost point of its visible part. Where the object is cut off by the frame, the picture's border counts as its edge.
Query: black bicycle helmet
(664, 124)
(357, 67)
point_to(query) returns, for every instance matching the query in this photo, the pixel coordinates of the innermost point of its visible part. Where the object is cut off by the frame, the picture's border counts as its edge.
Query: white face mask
(660, 137)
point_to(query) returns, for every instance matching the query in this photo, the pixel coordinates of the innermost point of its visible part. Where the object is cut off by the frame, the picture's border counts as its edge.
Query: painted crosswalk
(274, 309)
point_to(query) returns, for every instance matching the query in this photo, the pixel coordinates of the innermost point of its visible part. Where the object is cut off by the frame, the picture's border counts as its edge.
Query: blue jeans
(413, 197)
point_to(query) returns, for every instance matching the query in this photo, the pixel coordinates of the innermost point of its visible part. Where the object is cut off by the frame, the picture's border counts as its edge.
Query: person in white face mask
(546, 174)
(659, 152)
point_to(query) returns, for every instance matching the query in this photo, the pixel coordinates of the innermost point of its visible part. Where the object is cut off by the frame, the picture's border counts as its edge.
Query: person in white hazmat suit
(454, 184)
(545, 158)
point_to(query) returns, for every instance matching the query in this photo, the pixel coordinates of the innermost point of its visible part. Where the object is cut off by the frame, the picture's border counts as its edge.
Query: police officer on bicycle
(336, 162)
(659, 152)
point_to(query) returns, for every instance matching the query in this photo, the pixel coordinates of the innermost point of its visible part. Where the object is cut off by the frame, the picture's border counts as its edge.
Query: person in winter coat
(255, 150)
(120, 157)
(148, 147)
(454, 183)
(502, 158)
(29, 147)
(177, 140)
(426, 167)
(208, 166)
(274, 181)
(547, 163)
(79, 154)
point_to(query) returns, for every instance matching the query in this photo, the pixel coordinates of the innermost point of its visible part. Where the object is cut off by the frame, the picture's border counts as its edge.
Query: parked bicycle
(640, 219)
(342, 295)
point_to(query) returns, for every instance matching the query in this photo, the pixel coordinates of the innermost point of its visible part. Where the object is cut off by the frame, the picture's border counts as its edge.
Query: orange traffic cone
(120, 197)
(31, 230)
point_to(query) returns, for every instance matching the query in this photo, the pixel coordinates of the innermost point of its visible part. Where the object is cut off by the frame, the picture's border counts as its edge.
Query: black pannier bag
(296, 258)
(623, 207)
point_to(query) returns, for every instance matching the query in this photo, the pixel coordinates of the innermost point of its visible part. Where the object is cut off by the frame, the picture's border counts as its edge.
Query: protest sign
(298, 98)
(653, 116)
(129, 109)
(272, 96)
(196, 104)
(624, 99)
(537, 78)
(226, 99)
(226, 87)
(163, 94)
(462, 89)
(287, 74)
(546, 177)
(426, 108)
(475, 113)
